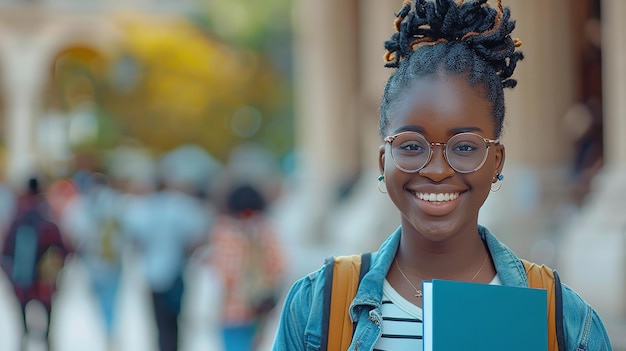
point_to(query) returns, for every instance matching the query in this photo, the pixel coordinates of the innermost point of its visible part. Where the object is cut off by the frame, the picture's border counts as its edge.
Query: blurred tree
(173, 83)
(253, 24)
(176, 81)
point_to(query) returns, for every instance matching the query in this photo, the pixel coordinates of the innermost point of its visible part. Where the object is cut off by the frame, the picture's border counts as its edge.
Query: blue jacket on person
(300, 325)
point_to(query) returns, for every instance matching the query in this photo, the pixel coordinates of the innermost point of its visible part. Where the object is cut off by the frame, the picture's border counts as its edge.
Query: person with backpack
(33, 255)
(441, 119)
(247, 255)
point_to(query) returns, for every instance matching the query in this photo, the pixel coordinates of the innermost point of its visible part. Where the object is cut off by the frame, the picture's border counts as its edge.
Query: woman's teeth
(441, 197)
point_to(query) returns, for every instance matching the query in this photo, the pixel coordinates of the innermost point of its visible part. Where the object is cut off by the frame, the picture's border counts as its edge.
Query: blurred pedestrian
(91, 220)
(166, 227)
(33, 254)
(246, 254)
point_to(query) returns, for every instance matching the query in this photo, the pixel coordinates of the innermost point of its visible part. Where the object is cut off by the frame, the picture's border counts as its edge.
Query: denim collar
(369, 295)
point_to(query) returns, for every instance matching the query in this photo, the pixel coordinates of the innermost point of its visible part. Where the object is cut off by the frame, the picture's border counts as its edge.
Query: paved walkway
(76, 325)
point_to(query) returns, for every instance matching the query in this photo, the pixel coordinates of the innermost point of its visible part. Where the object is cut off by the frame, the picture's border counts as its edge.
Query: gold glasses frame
(488, 142)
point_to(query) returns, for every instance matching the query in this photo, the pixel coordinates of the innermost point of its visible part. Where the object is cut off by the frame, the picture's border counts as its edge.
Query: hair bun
(485, 29)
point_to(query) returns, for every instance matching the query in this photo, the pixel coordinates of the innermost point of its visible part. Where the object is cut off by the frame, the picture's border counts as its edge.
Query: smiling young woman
(441, 118)
(438, 110)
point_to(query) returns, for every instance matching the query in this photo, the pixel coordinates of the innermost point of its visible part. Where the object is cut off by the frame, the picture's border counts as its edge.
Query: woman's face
(439, 108)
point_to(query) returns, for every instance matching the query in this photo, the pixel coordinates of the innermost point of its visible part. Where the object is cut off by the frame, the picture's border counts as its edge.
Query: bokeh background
(284, 94)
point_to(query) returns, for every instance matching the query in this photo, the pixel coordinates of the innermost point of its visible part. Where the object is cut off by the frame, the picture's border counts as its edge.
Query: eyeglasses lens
(465, 152)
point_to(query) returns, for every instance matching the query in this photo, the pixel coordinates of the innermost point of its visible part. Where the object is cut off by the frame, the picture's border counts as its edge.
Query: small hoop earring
(381, 180)
(498, 180)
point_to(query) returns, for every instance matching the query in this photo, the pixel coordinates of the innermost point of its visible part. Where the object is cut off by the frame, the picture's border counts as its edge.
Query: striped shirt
(402, 321)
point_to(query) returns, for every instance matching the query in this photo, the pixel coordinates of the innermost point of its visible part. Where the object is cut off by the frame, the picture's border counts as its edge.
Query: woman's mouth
(437, 197)
(437, 204)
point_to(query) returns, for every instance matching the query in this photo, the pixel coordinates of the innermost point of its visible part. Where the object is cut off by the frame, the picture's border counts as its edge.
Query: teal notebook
(471, 316)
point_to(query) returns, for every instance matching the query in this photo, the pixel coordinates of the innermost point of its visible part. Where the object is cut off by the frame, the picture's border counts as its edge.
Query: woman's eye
(411, 146)
(464, 148)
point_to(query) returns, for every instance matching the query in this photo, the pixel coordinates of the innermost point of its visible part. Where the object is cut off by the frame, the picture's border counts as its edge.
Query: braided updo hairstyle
(451, 37)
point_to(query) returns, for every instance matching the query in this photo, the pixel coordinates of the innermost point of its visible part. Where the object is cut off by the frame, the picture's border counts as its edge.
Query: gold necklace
(418, 292)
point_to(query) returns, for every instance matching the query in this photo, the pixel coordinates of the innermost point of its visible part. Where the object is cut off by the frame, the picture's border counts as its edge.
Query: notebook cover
(472, 316)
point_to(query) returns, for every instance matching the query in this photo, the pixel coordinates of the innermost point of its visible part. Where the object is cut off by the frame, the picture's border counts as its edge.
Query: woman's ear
(499, 161)
(381, 159)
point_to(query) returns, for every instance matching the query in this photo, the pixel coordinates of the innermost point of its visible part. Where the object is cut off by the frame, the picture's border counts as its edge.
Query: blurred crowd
(97, 218)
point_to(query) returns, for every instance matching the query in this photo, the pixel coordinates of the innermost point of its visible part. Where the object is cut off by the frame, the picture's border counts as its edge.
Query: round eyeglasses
(464, 152)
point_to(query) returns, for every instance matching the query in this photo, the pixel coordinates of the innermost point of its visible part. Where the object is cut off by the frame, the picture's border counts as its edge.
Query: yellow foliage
(190, 84)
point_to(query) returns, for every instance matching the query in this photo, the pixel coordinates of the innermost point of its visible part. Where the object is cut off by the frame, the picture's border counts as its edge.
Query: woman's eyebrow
(410, 128)
(458, 130)
(451, 131)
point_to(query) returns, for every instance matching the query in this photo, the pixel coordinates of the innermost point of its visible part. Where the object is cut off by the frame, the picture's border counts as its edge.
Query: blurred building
(33, 36)
(548, 209)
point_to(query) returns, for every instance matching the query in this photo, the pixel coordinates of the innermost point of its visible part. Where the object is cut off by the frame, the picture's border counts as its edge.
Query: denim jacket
(300, 321)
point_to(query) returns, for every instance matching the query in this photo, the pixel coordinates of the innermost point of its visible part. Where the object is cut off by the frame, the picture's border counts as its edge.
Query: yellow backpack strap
(342, 277)
(543, 277)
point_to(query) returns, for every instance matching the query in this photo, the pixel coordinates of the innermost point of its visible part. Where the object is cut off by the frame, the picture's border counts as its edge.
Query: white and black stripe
(402, 323)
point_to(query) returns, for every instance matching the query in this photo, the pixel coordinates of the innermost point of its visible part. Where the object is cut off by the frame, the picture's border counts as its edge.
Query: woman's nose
(437, 168)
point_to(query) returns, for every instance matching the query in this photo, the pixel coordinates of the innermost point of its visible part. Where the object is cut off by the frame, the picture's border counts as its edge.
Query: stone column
(537, 149)
(23, 73)
(595, 264)
(614, 81)
(362, 222)
(375, 27)
(326, 64)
